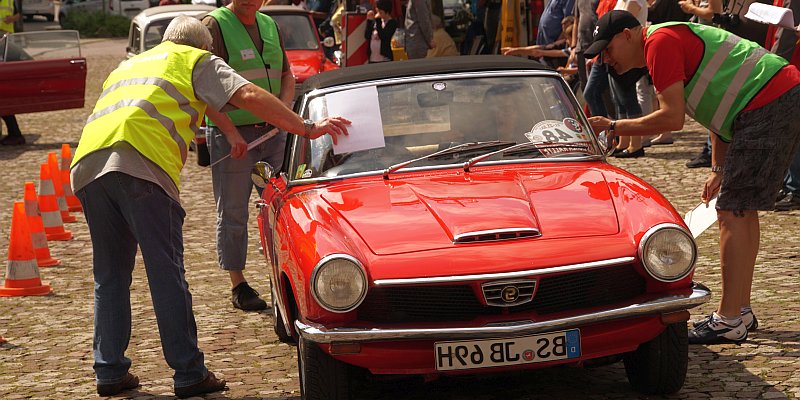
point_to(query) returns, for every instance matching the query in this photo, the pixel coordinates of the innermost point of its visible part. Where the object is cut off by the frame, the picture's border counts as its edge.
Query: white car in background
(46, 8)
(147, 28)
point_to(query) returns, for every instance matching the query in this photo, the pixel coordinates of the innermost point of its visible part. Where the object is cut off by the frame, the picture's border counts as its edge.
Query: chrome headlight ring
(324, 291)
(650, 253)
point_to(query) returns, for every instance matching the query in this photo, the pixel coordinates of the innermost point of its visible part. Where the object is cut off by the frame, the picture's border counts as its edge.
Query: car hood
(305, 63)
(430, 212)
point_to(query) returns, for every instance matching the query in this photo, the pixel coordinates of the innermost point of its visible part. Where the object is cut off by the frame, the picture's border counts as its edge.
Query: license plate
(509, 351)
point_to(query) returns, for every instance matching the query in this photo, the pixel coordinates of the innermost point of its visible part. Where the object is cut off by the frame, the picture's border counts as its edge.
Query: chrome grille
(460, 302)
(508, 293)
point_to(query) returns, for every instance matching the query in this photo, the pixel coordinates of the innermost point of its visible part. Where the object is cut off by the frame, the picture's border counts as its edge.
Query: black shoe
(130, 381)
(790, 202)
(246, 298)
(631, 154)
(781, 195)
(716, 332)
(617, 151)
(208, 385)
(13, 140)
(702, 160)
(749, 319)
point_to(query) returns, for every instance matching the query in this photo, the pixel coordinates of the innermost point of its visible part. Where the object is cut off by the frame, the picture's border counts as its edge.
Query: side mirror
(605, 144)
(328, 42)
(261, 173)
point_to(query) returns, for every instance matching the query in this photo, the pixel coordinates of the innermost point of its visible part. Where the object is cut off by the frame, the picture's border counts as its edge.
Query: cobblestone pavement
(48, 354)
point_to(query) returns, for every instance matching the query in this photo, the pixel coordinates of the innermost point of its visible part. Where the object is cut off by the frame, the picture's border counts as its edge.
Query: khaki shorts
(765, 141)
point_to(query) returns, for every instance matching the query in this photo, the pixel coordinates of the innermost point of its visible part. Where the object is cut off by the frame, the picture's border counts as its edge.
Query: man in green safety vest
(747, 97)
(126, 173)
(250, 43)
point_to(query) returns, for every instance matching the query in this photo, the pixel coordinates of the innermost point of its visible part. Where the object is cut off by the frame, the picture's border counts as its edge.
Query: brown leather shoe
(208, 385)
(130, 381)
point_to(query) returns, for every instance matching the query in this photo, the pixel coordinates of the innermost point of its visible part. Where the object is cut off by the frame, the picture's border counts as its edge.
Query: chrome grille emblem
(508, 293)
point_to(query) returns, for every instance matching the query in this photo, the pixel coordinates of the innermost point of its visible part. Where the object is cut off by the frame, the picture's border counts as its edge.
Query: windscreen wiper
(459, 149)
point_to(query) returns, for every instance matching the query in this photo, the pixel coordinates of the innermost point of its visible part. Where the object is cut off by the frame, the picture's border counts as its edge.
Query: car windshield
(297, 32)
(155, 32)
(400, 122)
(28, 46)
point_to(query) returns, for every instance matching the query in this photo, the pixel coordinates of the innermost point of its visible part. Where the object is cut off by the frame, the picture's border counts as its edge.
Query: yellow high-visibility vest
(6, 10)
(149, 102)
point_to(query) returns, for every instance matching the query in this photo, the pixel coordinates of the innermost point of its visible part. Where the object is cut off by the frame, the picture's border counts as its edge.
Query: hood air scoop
(495, 235)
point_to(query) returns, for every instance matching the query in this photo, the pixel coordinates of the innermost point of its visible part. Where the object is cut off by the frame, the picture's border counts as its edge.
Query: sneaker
(13, 140)
(702, 160)
(749, 319)
(790, 202)
(128, 382)
(246, 298)
(208, 385)
(716, 332)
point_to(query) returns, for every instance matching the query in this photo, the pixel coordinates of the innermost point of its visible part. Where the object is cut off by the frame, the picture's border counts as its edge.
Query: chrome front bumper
(656, 305)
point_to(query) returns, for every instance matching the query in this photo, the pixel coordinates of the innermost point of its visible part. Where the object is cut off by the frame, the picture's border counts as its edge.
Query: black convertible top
(425, 66)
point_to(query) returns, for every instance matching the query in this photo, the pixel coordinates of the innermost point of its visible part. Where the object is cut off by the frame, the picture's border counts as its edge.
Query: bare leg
(237, 277)
(739, 241)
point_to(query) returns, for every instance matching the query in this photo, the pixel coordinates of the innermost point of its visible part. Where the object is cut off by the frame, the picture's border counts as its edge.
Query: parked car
(299, 34)
(46, 8)
(469, 223)
(147, 28)
(41, 71)
(301, 41)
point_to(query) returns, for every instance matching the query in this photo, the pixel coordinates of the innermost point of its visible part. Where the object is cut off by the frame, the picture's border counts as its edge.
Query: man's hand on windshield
(333, 126)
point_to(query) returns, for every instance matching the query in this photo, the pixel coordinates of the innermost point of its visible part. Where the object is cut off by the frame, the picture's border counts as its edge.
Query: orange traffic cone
(55, 175)
(48, 206)
(73, 203)
(38, 237)
(22, 274)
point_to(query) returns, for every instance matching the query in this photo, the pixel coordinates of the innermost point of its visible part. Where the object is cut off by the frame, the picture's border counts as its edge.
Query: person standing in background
(10, 14)
(250, 43)
(380, 29)
(419, 28)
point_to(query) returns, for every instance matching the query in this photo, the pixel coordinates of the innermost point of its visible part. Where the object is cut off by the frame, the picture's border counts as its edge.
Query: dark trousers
(11, 124)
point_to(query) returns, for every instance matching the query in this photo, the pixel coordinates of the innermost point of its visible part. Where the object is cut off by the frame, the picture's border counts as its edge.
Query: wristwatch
(309, 126)
(717, 168)
(612, 127)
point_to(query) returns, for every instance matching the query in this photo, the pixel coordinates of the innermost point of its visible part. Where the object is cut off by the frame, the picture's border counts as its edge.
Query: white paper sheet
(361, 107)
(773, 15)
(702, 217)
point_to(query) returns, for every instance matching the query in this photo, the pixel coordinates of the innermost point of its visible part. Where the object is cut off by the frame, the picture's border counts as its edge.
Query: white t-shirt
(641, 15)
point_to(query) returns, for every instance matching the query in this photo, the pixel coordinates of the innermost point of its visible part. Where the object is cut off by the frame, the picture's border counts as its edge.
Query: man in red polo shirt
(746, 97)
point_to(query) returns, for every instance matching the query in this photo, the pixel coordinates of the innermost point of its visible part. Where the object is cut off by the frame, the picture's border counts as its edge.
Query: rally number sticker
(553, 137)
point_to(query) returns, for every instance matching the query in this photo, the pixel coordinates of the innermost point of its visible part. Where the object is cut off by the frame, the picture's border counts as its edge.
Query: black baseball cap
(608, 26)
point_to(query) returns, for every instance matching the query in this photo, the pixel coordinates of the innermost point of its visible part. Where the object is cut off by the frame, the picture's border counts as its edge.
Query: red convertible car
(41, 71)
(469, 223)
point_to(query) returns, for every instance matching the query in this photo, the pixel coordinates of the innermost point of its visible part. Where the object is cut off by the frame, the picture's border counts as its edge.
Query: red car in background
(468, 224)
(301, 41)
(41, 71)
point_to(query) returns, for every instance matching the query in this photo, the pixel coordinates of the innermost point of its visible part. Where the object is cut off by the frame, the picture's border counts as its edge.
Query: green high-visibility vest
(262, 69)
(732, 71)
(6, 10)
(149, 102)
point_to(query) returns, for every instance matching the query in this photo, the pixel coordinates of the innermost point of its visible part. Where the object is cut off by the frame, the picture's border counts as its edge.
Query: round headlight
(339, 283)
(668, 252)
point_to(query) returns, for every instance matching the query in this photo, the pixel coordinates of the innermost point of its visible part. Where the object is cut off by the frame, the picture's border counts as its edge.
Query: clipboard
(772, 15)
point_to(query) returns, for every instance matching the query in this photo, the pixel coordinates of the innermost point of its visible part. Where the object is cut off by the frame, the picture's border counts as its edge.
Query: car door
(41, 71)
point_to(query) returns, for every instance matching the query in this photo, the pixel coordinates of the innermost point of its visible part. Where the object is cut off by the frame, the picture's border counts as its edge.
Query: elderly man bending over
(126, 173)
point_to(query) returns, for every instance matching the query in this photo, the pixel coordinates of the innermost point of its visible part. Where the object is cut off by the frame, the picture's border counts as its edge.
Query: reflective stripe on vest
(731, 72)
(6, 10)
(263, 70)
(149, 102)
(19, 270)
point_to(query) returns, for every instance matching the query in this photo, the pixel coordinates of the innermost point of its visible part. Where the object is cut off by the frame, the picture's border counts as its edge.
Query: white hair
(188, 31)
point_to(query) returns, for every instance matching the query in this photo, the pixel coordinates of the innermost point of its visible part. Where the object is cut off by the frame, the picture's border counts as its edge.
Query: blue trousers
(792, 182)
(123, 212)
(625, 100)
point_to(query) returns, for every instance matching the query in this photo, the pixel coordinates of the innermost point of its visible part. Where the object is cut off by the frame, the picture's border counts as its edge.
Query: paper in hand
(772, 15)
(701, 217)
